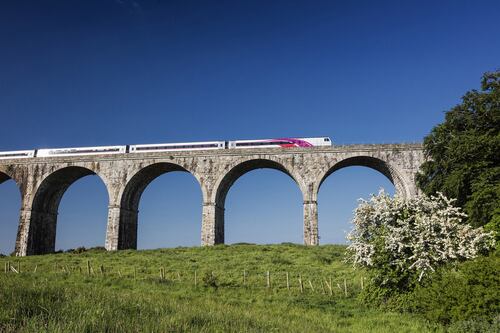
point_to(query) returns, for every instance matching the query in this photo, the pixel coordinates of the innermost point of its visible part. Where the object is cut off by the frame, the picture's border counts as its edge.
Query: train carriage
(4, 155)
(186, 146)
(281, 143)
(82, 151)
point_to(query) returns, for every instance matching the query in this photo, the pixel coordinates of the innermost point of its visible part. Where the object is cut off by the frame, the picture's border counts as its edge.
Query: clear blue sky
(106, 72)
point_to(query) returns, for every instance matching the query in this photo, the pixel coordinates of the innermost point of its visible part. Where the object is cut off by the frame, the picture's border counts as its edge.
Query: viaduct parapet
(43, 181)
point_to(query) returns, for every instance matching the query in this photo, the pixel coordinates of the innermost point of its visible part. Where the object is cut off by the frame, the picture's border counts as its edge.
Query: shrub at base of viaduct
(43, 182)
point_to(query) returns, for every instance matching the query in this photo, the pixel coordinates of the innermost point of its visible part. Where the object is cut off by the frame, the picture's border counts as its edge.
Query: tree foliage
(464, 154)
(466, 293)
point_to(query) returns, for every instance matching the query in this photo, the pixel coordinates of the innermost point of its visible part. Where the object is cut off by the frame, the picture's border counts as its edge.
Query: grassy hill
(211, 289)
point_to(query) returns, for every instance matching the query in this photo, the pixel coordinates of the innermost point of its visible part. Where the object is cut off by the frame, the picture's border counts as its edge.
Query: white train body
(134, 149)
(103, 150)
(280, 143)
(164, 147)
(4, 155)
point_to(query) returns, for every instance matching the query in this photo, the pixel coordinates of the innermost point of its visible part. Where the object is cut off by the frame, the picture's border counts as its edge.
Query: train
(165, 147)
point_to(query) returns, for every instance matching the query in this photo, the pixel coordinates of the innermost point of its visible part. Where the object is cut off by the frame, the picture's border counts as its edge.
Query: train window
(179, 147)
(12, 155)
(264, 143)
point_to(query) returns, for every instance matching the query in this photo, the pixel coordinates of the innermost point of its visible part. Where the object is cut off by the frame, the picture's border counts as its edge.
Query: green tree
(464, 152)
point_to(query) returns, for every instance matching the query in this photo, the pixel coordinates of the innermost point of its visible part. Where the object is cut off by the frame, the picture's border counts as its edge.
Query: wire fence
(332, 284)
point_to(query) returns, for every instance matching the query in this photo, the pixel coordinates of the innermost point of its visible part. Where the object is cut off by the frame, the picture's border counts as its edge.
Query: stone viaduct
(43, 181)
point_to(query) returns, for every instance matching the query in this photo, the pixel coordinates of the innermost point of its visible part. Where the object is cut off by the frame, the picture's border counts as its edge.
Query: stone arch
(384, 167)
(6, 175)
(224, 184)
(375, 163)
(45, 205)
(242, 167)
(131, 196)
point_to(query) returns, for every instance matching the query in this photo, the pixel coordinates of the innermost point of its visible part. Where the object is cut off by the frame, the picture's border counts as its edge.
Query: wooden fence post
(329, 286)
(311, 285)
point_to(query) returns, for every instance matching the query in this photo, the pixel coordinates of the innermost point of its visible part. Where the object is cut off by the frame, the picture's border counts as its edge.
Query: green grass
(131, 297)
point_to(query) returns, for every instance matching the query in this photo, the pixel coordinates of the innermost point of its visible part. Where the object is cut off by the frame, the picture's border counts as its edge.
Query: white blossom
(418, 234)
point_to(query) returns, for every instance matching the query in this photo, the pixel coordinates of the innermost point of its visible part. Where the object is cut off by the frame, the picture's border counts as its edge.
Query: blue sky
(104, 72)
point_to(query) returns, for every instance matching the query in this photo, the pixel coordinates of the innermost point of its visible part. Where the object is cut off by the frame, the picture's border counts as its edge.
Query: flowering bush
(411, 238)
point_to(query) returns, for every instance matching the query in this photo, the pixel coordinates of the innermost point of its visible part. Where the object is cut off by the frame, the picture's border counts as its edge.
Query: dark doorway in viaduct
(10, 204)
